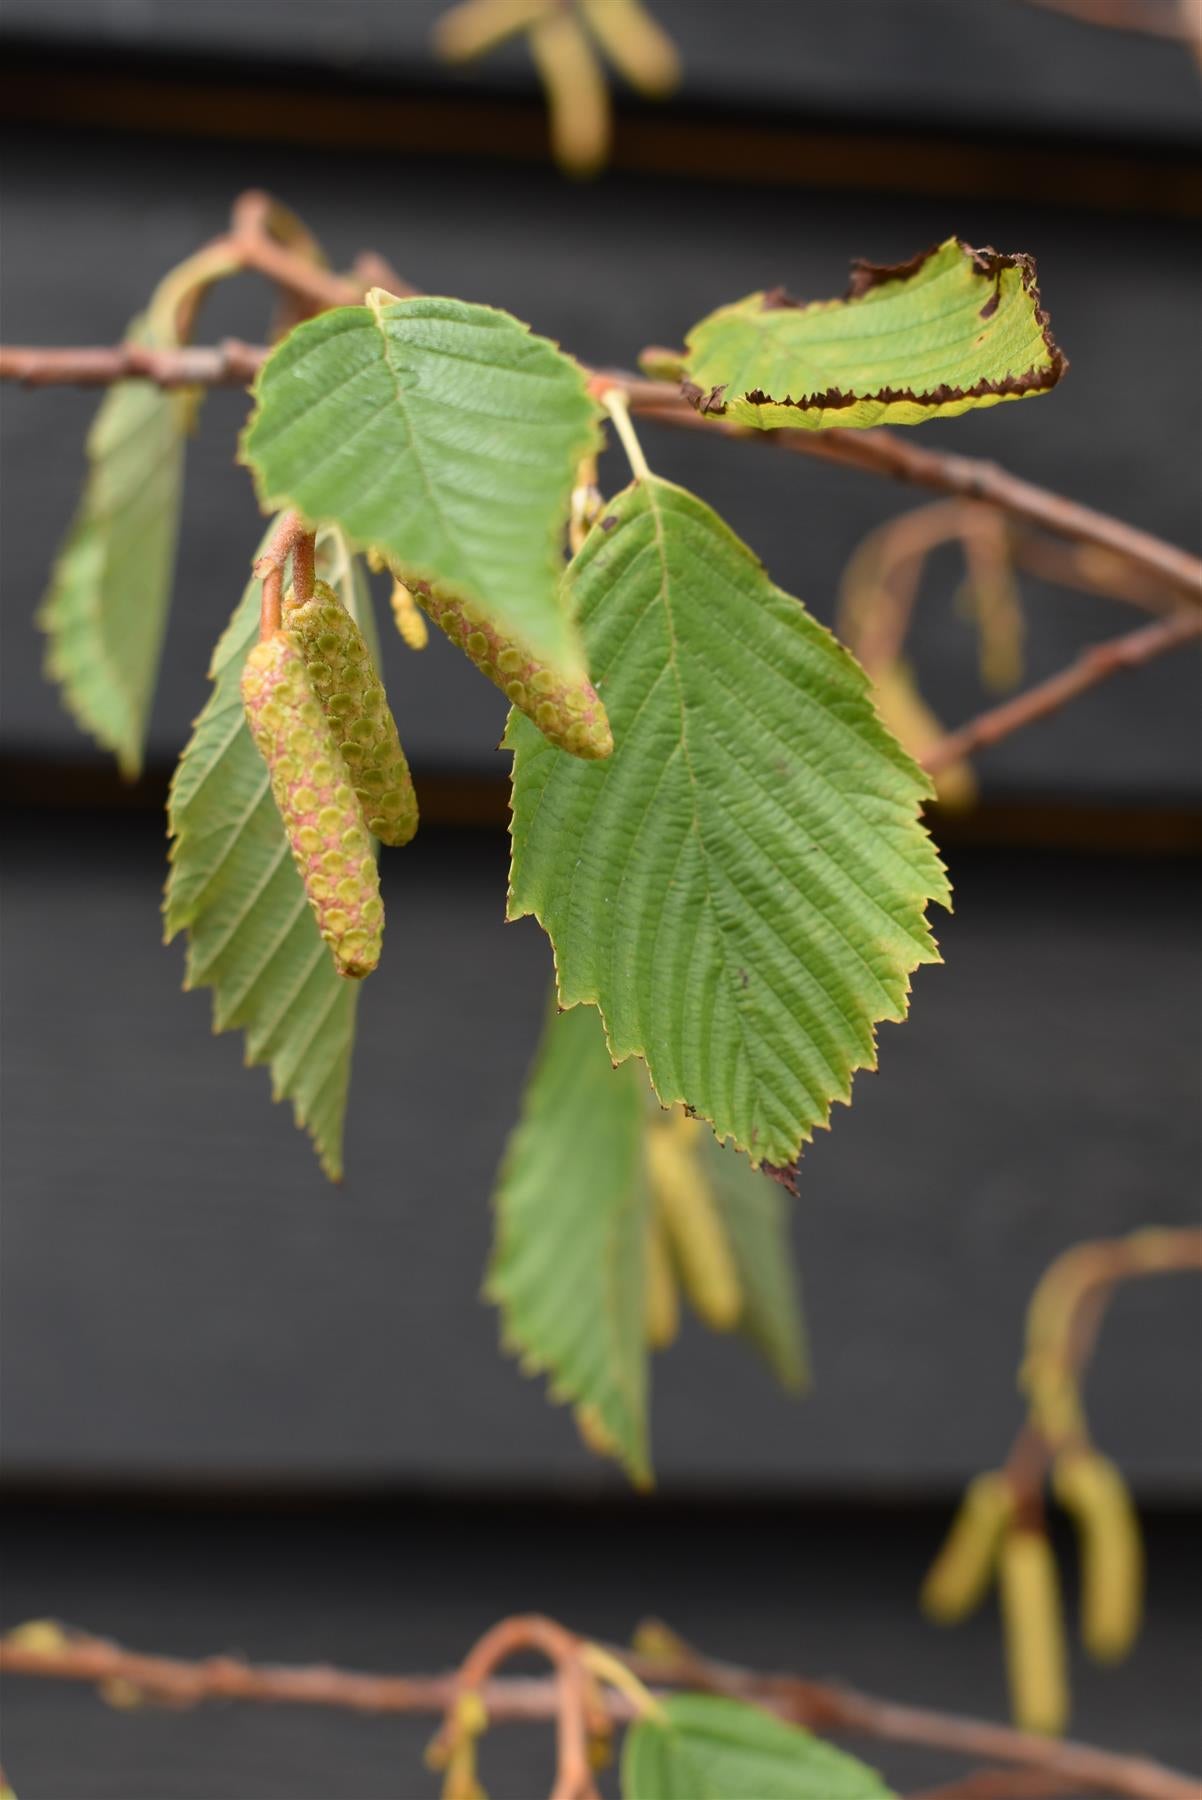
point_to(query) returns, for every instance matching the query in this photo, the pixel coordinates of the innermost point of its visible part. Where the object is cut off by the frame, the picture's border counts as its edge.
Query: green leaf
(952, 329)
(443, 435)
(567, 1270)
(754, 1211)
(234, 888)
(741, 888)
(708, 1748)
(105, 611)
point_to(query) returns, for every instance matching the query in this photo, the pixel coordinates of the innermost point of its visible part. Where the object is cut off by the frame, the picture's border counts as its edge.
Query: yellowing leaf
(952, 329)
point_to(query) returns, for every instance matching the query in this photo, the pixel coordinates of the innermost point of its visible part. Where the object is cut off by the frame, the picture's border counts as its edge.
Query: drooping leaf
(567, 1270)
(443, 435)
(234, 888)
(952, 329)
(105, 611)
(754, 1211)
(741, 888)
(705, 1747)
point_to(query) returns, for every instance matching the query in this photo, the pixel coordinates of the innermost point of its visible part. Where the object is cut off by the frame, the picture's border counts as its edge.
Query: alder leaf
(571, 1204)
(234, 888)
(443, 435)
(741, 888)
(705, 1747)
(105, 610)
(951, 329)
(754, 1213)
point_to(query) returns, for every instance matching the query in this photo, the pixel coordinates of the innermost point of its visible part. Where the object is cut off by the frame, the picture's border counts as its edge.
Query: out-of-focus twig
(1098, 664)
(48, 1651)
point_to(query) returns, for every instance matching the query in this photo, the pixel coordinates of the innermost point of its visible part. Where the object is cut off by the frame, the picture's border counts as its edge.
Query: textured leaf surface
(708, 1748)
(444, 435)
(571, 1203)
(106, 608)
(742, 887)
(952, 329)
(233, 886)
(754, 1212)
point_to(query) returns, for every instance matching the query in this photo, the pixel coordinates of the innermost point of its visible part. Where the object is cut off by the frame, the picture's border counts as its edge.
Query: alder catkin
(693, 1226)
(661, 1304)
(569, 714)
(1036, 1660)
(1093, 1492)
(959, 1577)
(408, 616)
(344, 677)
(317, 803)
(635, 44)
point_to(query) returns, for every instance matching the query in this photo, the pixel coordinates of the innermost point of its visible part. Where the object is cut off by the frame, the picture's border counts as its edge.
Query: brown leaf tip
(703, 400)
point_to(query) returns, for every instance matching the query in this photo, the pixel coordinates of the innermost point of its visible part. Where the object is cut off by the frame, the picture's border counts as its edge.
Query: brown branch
(876, 452)
(574, 1779)
(511, 1699)
(289, 538)
(1072, 1298)
(1095, 665)
(228, 364)
(887, 453)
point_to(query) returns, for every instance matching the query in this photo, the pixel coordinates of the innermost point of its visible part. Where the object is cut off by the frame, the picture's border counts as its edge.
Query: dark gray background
(190, 1313)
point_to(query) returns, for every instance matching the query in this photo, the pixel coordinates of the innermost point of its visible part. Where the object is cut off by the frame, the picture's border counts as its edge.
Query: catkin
(1036, 1660)
(577, 97)
(345, 679)
(661, 1304)
(959, 1578)
(1092, 1490)
(568, 713)
(635, 44)
(317, 803)
(694, 1228)
(408, 616)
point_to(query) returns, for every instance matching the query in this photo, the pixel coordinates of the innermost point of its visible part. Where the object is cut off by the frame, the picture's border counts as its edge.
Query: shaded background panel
(187, 1299)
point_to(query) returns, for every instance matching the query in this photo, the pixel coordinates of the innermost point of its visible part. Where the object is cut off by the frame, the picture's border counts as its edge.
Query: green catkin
(959, 1578)
(661, 1303)
(569, 714)
(1092, 1491)
(317, 803)
(1036, 1659)
(693, 1225)
(344, 677)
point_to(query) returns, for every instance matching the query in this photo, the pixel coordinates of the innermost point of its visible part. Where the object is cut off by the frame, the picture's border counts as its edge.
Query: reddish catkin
(568, 713)
(344, 677)
(317, 803)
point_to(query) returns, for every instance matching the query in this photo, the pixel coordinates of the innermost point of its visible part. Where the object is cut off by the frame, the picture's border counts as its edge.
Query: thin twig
(1074, 1295)
(876, 452)
(1095, 665)
(512, 1699)
(573, 1780)
(289, 533)
(888, 453)
(228, 364)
